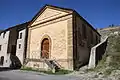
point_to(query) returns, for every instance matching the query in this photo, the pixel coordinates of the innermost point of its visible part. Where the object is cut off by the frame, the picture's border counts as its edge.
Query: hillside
(109, 67)
(110, 64)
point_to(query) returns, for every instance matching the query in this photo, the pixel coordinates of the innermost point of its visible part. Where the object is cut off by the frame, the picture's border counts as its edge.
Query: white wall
(4, 37)
(20, 51)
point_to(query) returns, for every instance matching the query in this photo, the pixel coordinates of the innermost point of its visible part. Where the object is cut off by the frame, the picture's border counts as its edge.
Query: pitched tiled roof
(19, 27)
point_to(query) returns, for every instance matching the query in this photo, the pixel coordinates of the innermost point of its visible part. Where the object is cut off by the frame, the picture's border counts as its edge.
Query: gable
(48, 14)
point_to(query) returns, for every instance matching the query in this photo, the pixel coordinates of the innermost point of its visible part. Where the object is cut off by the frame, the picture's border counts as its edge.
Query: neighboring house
(8, 41)
(4, 56)
(59, 37)
(21, 43)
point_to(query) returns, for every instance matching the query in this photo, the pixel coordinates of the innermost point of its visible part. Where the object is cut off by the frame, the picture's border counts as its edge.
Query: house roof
(63, 9)
(19, 27)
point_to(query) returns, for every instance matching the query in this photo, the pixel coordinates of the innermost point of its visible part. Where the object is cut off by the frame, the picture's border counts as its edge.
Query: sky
(99, 13)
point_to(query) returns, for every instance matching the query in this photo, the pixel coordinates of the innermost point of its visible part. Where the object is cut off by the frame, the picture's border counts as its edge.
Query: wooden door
(45, 48)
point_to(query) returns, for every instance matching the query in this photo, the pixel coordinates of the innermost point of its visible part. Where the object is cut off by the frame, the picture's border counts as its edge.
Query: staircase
(25, 61)
(52, 64)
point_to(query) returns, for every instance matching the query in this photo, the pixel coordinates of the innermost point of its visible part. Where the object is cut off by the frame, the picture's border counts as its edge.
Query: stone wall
(97, 52)
(70, 43)
(84, 44)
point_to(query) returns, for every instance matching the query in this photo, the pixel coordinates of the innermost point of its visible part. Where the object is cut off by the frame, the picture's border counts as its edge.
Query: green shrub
(59, 72)
(116, 45)
(107, 71)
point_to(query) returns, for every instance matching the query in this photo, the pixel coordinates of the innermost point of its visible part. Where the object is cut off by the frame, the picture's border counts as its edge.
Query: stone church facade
(61, 37)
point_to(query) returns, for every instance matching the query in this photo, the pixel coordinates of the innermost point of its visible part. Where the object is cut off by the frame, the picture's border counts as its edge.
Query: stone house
(21, 44)
(59, 37)
(4, 57)
(12, 47)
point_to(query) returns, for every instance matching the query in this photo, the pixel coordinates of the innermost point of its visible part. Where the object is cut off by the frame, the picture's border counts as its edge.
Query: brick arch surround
(45, 47)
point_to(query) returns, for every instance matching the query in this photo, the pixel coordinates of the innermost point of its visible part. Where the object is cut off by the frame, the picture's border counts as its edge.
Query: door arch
(45, 48)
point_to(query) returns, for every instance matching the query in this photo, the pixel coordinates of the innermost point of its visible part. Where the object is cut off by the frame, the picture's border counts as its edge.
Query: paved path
(26, 75)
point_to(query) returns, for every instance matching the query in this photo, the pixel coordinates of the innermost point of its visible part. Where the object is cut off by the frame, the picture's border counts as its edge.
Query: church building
(59, 38)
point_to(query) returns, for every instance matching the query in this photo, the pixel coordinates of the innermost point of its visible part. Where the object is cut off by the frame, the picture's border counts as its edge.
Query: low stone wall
(97, 52)
(40, 64)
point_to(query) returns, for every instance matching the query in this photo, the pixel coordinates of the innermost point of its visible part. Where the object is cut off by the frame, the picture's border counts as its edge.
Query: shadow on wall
(81, 64)
(15, 62)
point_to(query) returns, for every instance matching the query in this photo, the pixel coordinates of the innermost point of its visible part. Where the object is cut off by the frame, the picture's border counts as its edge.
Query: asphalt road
(27, 75)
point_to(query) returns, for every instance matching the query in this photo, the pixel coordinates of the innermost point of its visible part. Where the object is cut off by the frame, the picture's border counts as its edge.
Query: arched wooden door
(45, 48)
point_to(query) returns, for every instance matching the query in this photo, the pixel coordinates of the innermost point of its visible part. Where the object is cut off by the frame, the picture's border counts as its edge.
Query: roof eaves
(44, 7)
(19, 25)
(87, 22)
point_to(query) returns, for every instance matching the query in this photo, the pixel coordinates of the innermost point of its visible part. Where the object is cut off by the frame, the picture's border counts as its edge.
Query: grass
(59, 72)
(102, 67)
(111, 59)
(107, 71)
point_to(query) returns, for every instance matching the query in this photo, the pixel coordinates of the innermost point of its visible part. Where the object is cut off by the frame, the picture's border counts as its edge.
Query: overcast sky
(99, 13)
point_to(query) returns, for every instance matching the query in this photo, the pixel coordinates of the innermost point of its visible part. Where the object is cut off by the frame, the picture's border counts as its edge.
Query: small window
(4, 35)
(19, 46)
(84, 31)
(0, 47)
(20, 35)
(2, 60)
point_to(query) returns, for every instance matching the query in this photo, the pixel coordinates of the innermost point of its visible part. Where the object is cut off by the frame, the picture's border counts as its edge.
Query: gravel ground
(115, 75)
(30, 75)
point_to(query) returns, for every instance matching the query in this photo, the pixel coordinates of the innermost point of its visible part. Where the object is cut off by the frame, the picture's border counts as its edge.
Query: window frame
(19, 46)
(20, 35)
(0, 47)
